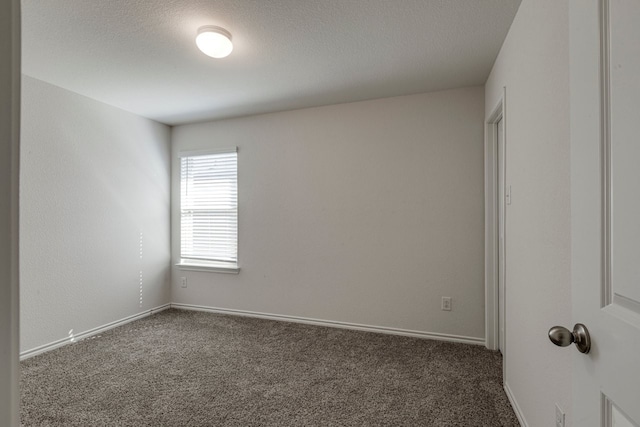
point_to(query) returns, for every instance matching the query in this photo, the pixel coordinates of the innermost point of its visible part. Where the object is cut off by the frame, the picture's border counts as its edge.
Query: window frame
(201, 264)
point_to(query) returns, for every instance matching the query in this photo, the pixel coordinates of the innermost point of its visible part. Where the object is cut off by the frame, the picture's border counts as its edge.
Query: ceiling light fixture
(214, 41)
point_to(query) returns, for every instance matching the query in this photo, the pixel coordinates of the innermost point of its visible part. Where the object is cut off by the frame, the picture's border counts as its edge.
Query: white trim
(210, 267)
(515, 406)
(86, 334)
(206, 152)
(492, 326)
(333, 324)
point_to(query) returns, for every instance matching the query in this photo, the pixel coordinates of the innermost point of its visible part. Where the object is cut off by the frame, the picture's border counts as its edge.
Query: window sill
(209, 267)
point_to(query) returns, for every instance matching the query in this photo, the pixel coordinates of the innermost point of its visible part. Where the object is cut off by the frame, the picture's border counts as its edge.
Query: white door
(501, 215)
(605, 209)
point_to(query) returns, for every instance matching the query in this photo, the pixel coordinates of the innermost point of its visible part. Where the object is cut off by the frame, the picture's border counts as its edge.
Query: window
(209, 211)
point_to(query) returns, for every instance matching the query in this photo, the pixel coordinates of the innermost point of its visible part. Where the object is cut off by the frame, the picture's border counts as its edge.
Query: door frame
(491, 218)
(9, 176)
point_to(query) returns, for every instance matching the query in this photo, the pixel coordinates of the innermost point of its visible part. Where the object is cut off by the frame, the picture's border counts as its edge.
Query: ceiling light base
(214, 41)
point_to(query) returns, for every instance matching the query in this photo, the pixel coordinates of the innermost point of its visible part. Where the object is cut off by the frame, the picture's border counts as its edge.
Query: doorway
(497, 196)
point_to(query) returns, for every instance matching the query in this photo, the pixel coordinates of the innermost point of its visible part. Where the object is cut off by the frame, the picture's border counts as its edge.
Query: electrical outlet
(183, 282)
(446, 303)
(559, 417)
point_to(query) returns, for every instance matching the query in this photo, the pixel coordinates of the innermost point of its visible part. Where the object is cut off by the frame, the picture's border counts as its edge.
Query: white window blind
(209, 209)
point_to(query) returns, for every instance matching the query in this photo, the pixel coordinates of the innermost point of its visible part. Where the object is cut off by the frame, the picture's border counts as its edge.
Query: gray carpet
(181, 368)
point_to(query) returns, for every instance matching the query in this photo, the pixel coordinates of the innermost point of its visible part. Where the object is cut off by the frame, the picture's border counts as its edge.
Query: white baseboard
(82, 335)
(284, 318)
(334, 324)
(515, 406)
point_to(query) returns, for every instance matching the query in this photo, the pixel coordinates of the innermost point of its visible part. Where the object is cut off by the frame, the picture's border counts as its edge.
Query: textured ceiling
(140, 55)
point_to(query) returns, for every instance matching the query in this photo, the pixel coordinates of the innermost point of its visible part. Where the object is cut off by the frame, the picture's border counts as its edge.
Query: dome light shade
(214, 41)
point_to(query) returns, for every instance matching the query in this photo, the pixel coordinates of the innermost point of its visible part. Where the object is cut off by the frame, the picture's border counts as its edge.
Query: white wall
(365, 213)
(93, 178)
(9, 149)
(534, 66)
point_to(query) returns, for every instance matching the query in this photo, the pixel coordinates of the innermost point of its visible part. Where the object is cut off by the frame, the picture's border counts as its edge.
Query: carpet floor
(184, 368)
